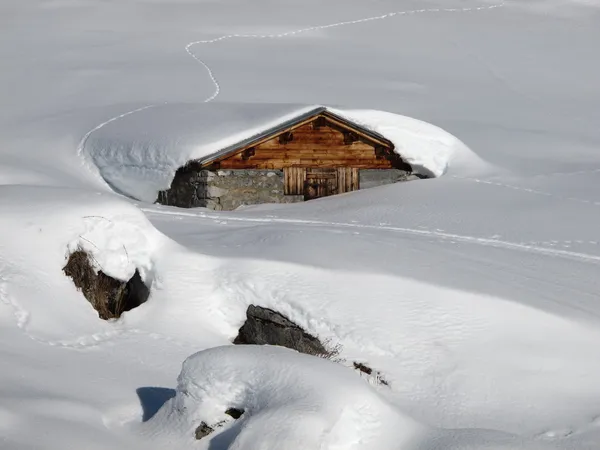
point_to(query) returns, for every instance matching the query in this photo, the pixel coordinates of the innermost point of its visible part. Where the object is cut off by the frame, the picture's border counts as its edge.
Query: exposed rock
(109, 296)
(203, 430)
(375, 374)
(225, 189)
(265, 326)
(235, 413)
(362, 368)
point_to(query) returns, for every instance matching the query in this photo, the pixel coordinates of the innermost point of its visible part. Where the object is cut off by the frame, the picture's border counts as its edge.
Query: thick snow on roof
(139, 154)
(427, 148)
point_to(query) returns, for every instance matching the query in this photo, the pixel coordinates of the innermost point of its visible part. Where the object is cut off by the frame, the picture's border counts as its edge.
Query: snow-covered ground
(475, 294)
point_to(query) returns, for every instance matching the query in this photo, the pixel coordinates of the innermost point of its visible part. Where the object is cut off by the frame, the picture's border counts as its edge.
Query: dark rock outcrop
(264, 326)
(109, 296)
(363, 368)
(203, 430)
(235, 413)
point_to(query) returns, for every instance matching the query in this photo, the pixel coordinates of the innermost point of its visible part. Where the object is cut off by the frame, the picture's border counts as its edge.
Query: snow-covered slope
(475, 294)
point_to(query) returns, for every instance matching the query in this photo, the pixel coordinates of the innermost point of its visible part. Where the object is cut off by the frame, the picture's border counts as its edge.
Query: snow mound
(139, 153)
(304, 401)
(51, 223)
(427, 148)
(117, 247)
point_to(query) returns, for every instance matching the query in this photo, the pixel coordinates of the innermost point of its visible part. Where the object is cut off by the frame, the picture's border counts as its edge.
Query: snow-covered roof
(139, 153)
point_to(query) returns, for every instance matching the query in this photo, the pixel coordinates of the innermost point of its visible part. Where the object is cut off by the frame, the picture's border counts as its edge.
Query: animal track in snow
(81, 145)
(489, 242)
(566, 244)
(528, 190)
(22, 317)
(217, 86)
(555, 434)
(215, 82)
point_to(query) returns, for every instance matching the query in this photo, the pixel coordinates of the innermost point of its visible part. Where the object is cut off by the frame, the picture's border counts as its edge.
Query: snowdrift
(139, 154)
(302, 401)
(52, 223)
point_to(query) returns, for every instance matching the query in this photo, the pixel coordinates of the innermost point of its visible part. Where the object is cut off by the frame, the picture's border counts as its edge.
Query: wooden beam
(349, 137)
(286, 137)
(248, 153)
(319, 122)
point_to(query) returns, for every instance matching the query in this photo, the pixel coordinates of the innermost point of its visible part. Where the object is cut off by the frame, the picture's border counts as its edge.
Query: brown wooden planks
(282, 164)
(355, 179)
(305, 146)
(320, 182)
(347, 179)
(294, 180)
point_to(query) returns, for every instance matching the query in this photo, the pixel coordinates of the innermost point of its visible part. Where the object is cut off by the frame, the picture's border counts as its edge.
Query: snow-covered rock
(297, 402)
(51, 224)
(290, 400)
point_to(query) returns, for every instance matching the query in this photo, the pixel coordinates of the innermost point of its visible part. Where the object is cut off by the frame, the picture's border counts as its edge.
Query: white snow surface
(139, 153)
(474, 294)
(303, 401)
(430, 150)
(296, 401)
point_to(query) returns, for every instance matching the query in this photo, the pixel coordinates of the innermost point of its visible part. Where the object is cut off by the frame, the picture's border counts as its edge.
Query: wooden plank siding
(310, 146)
(320, 183)
(293, 179)
(320, 155)
(347, 179)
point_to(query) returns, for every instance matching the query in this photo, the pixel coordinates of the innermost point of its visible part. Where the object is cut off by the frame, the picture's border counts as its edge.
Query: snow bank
(41, 227)
(139, 153)
(118, 246)
(303, 401)
(427, 148)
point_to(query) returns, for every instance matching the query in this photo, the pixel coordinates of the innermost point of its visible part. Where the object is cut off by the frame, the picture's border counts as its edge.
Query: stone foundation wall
(227, 189)
(377, 177)
(230, 189)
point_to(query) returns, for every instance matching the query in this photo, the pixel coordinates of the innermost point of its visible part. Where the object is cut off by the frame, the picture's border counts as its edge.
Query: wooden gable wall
(319, 142)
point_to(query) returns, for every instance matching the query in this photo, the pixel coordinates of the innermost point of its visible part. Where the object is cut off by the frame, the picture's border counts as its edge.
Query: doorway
(320, 183)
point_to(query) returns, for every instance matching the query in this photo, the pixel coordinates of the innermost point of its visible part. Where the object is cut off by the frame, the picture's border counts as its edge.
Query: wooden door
(348, 179)
(293, 179)
(320, 183)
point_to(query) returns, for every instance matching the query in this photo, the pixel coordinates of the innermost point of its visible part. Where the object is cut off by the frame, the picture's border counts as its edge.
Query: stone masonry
(226, 189)
(370, 178)
(230, 189)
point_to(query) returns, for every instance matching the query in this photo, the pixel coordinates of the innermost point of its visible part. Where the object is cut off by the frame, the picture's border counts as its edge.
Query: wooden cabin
(316, 154)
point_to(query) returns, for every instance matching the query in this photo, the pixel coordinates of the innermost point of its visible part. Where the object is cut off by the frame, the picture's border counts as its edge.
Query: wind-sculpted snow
(299, 402)
(287, 397)
(52, 223)
(474, 294)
